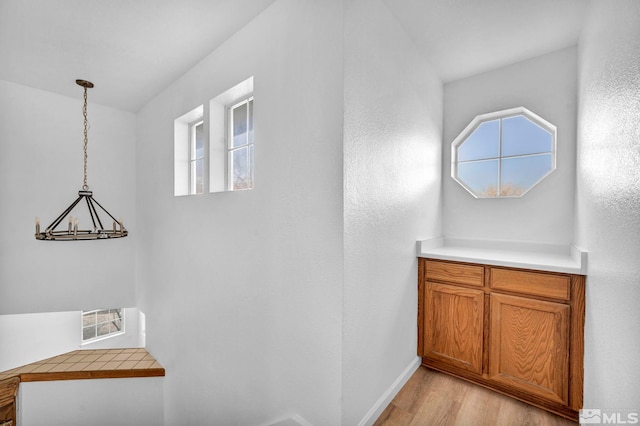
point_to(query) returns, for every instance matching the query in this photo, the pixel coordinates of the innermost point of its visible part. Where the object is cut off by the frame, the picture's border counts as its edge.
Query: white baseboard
(384, 400)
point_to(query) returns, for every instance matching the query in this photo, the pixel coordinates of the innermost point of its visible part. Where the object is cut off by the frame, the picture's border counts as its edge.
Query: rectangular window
(196, 158)
(189, 153)
(102, 323)
(213, 144)
(240, 145)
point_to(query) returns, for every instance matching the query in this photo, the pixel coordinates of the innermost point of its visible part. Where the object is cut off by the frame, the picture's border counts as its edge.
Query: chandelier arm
(93, 211)
(56, 222)
(105, 210)
(93, 220)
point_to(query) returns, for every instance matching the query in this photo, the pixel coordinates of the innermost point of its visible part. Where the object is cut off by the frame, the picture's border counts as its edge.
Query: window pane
(199, 142)
(199, 177)
(103, 316)
(103, 328)
(115, 326)
(480, 176)
(251, 121)
(196, 184)
(239, 125)
(522, 136)
(521, 173)
(239, 169)
(250, 184)
(88, 332)
(88, 319)
(484, 142)
(192, 177)
(113, 315)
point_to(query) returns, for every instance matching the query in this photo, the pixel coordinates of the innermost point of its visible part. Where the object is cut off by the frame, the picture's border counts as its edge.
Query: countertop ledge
(89, 364)
(536, 256)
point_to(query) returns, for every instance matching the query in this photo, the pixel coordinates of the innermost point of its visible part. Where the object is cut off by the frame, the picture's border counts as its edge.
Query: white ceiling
(466, 37)
(132, 49)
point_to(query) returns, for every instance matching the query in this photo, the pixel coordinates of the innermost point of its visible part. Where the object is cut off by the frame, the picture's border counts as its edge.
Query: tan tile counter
(89, 364)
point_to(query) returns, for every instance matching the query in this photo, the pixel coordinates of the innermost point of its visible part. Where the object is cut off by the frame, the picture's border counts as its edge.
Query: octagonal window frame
(500, 116)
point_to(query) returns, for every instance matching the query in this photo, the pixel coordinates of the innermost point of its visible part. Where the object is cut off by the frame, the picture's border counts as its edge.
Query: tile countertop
(89, 364)
(536, 256)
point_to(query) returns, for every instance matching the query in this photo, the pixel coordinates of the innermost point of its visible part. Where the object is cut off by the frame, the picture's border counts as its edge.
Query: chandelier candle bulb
(37, 225)
(114, 226)
(70, 223)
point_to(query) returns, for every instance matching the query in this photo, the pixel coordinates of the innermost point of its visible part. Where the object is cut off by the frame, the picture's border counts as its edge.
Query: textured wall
(243, 293)
(608, 201)
(105, 402)
(28, 338)
(41, 173)
(392, 150)
(547, 86)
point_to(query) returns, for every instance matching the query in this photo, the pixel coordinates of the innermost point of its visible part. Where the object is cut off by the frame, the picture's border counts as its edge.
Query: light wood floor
(431, 398)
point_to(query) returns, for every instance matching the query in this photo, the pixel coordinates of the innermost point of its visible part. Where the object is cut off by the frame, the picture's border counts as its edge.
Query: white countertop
(543, 257)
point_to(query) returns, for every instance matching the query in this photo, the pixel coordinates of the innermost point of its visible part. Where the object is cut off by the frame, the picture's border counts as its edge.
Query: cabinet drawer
(455, 273)
(531, 283)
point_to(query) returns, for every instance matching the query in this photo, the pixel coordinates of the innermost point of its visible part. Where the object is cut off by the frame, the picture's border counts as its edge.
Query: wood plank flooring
(431, 398)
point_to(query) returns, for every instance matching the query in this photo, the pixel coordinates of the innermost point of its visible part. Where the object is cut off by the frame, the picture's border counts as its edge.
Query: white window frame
(214, 116)
(182, 150)
(104, 336)
(193, 158)
(231, 148)
(500, 115)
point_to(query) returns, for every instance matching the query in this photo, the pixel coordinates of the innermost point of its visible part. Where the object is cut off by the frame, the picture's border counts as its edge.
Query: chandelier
(97, 231)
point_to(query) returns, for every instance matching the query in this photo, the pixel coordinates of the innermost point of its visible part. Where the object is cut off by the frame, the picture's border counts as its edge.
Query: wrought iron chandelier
(72, 233)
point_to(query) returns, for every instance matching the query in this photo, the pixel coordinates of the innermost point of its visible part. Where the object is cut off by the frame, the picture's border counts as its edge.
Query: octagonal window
(504, 154)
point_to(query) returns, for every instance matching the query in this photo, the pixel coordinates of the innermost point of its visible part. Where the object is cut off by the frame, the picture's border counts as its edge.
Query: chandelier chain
(85, 186)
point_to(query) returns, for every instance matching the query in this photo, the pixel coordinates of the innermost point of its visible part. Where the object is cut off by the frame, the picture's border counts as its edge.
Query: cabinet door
(453, 325)
(529, 346)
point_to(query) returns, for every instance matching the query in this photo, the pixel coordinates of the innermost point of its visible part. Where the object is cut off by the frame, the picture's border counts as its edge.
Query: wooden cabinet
(516, 331)
(8, 394)
(453, 326)
(529, 346)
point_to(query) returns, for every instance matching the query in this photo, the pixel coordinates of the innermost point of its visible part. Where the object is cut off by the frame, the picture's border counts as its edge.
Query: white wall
(27, 338)
(608, 201)
(392, 177)
(41, 173)
(104, 402)
(242, 291)
(547, 86)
